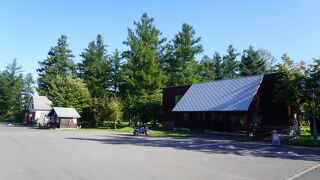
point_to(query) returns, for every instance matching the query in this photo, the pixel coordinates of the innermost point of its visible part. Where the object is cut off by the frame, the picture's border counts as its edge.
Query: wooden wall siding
(169, 97)
(67, 123)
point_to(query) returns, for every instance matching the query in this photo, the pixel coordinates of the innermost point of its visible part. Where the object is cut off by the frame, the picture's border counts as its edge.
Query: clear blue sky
(29, 28)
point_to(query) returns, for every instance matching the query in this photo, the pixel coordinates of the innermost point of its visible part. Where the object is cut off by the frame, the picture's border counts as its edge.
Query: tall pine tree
(144, 76)
(217, 65)
(117, 74)
(15, 90)
(251, 63)
(57, 78)
(143, 71)
(58, 63)
(230, 63)
(95, 68)
(183, 64)
(206, 69)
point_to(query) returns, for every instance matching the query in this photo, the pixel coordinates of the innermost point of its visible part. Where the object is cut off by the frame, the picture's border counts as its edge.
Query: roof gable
(41, 103)
(222, 95)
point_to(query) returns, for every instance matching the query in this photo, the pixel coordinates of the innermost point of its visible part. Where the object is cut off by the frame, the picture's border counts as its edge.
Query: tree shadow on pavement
(210, 145)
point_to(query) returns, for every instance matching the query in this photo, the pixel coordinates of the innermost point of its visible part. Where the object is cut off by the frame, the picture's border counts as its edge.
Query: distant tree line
(109, 87)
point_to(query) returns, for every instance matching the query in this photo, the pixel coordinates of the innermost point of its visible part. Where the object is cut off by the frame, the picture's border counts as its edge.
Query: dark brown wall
(169, 94)
(67, 123)
(275, 113)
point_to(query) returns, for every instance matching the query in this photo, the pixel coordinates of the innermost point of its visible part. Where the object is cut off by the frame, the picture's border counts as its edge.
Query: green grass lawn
(305, 139)
(161, 131)
(305, 130)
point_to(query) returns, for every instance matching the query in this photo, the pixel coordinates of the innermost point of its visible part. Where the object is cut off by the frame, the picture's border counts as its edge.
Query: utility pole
(312, 92)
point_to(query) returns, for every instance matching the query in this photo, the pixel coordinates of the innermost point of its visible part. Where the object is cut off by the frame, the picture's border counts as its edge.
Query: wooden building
(62, 117)
(239, 105)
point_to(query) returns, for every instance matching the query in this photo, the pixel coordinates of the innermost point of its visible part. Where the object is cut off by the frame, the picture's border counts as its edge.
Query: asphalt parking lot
(32, 154)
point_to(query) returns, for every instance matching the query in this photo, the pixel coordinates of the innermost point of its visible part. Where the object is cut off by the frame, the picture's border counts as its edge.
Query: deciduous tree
(69, 91)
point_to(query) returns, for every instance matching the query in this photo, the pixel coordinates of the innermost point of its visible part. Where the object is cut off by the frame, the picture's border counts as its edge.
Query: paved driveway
(33, 154)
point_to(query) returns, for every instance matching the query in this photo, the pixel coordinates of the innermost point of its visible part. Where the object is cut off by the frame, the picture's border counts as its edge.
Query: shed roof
(41, 103)
(66, 112)
(221, 95)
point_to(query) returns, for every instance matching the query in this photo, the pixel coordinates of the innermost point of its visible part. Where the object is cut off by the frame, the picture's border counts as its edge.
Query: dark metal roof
(221, 95)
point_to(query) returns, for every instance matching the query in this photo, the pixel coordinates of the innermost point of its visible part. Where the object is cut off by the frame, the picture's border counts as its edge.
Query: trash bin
(275, 139)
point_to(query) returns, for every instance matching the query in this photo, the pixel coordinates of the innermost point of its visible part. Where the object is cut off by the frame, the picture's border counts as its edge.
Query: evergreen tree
(230, 63)
(14, 90)
(143, 72)
(206, 69)
(95, 68)
(58, 63)
(57, 78)
(169, 65)
(217, 65)
(117, 74)
(183, 64)
(11, 86)
(251, 63)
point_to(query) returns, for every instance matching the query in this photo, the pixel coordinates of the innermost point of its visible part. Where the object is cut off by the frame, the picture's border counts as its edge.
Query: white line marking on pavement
(303, 172)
